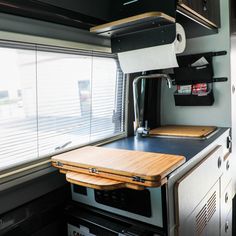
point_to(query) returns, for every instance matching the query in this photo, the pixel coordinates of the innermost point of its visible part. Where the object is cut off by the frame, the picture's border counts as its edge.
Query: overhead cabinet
(206, 12)
(137, 24)
(125, 8)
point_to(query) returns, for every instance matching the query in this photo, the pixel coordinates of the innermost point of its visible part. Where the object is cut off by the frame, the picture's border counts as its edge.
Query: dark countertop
(178, 146)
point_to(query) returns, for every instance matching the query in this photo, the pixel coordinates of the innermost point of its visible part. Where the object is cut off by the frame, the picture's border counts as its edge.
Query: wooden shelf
(133, 23)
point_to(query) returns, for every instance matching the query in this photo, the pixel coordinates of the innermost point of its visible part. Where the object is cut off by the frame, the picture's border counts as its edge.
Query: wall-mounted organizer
(194, 79)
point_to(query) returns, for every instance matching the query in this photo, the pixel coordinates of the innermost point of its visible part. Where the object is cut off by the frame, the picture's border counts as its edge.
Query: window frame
(33, 167)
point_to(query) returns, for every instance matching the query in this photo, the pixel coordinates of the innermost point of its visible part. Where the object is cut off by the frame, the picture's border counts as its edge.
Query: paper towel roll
(180, 40)
(154, 58)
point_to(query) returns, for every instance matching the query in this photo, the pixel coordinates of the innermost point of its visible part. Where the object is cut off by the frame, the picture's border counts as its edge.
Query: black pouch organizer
(194, 100)
(190, 75)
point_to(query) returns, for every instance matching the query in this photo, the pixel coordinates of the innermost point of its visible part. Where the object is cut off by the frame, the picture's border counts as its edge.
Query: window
(52, 100)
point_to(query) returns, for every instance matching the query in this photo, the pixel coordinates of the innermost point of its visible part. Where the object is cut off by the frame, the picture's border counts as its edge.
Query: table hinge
(93, 170)
(59, 164)
(138, 179)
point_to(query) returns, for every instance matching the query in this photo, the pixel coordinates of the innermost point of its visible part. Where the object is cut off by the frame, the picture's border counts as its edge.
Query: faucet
(139, 130)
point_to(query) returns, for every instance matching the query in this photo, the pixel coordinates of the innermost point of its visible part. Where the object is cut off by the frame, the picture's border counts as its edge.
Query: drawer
(226, 202)
(227, 172)
(226, 227)
(193, 186)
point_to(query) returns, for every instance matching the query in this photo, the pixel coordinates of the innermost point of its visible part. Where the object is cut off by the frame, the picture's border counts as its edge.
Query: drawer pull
(226, 197)
(227, 165)
(219, 162)
(204, 2)
(226, 226)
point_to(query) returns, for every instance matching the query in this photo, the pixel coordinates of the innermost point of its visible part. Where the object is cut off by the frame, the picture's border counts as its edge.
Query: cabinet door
(192, 187)
(205, 219)
(210, 9)
(125, 8)
(205, 9)
(194, 5)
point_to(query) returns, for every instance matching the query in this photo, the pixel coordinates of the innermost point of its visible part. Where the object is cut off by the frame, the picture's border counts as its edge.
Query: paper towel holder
(139, 130)
(145, 30)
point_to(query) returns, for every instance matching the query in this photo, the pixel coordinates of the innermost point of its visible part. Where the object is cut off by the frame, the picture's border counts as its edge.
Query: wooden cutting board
(184, 131)
(133, 167)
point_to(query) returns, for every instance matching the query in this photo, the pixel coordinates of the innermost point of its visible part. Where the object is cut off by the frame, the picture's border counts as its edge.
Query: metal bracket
(214, 80)
(221, 79)
(138, 179)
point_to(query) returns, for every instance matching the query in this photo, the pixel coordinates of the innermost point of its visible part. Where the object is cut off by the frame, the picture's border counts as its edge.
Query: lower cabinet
(203, 198)
(226, 197)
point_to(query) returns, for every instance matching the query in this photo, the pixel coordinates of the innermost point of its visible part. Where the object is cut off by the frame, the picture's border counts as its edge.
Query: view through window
(53, 100)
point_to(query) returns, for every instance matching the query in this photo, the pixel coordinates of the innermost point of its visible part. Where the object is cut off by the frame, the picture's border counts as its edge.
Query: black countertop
(178, 146)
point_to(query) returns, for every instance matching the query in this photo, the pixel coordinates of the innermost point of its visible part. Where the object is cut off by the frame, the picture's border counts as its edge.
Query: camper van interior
(117, 117)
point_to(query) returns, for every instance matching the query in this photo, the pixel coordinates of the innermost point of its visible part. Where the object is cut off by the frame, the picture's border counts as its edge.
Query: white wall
(220, 113)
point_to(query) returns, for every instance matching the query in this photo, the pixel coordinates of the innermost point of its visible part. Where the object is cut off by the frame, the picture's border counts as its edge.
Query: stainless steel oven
(146, 206)
(106, 220)
(83, 222)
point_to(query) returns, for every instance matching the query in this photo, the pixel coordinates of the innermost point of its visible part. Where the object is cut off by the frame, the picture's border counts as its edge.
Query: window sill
(36, 169)
(23, 176)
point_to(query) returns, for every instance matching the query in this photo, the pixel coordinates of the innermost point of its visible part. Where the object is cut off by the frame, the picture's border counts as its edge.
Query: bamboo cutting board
(184, 131)
(134, 167)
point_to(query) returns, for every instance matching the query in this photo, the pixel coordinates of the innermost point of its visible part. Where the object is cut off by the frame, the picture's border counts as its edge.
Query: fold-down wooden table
(108, 169)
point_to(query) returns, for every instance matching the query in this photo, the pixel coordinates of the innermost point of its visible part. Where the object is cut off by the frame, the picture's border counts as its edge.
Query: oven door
(88, 221)
(147, 206)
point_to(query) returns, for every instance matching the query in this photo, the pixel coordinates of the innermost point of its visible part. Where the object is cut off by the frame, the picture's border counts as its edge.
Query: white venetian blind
(51, 100)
